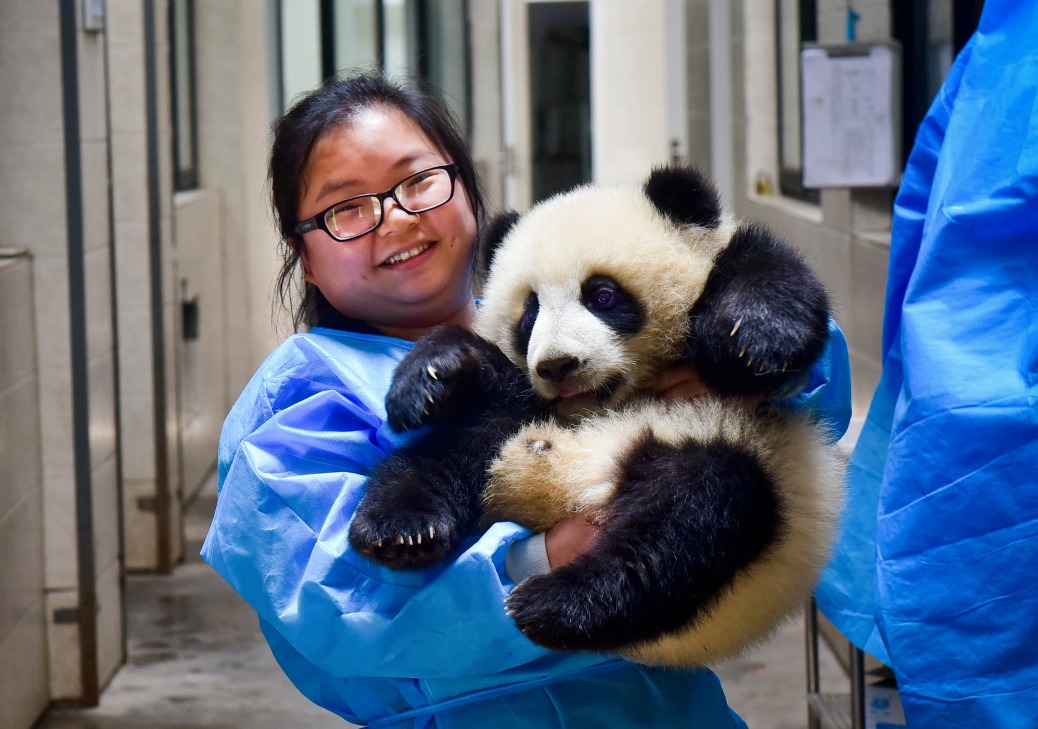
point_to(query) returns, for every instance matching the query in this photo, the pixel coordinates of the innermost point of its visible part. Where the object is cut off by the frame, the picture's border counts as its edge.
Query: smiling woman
(332, 153)
(377, 202)
(398, 260)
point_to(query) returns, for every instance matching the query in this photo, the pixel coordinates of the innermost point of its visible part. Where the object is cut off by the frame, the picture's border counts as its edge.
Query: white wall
(152, 533)
(24, 686)
(234, 115)
(629, 102)
(79, 495)
(201, 360)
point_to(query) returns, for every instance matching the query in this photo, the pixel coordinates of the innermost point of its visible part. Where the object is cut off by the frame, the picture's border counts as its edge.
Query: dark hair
(332, 105)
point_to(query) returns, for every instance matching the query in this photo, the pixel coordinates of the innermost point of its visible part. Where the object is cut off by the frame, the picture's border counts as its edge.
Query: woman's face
(364, 278)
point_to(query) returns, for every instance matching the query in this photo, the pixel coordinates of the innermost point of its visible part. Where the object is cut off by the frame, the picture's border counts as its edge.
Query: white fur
(614, 232)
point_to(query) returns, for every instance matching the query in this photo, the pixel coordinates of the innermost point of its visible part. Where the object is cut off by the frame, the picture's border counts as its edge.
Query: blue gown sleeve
(279, 536)
(826, 395)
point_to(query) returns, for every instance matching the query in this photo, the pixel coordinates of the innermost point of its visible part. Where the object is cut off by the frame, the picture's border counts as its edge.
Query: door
(546, 72)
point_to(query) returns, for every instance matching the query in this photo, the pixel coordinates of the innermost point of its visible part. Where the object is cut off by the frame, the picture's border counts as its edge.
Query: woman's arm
(288, 488)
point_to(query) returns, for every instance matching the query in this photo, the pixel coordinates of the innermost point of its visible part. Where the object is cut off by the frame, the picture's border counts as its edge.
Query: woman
(377, 199)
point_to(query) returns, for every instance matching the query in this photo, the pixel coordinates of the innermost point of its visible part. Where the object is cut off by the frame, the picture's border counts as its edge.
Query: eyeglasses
(361, 214)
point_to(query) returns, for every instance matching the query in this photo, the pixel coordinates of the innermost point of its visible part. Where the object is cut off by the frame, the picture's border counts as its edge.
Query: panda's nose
(556, 369)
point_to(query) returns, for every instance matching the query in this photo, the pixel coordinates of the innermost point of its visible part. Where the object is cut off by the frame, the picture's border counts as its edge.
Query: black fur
(467, 386)
(524, 327)
(763, 317)
(683, 523)
(489, 241)
(610, 302)
(684, 195)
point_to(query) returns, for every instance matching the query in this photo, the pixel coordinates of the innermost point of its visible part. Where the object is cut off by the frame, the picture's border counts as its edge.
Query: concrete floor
(195, 658)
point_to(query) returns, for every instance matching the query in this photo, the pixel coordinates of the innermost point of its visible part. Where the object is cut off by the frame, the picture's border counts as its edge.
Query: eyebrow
(406, 161)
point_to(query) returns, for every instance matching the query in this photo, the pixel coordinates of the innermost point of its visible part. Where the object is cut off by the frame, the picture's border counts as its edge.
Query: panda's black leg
(684, 521)
(449, 375)
(423, 498)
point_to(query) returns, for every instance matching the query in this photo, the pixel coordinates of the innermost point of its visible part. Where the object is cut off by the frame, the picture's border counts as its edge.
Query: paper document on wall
(850, 125)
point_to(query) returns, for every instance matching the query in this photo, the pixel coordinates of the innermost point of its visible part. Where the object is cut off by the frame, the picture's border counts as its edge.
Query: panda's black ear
(684, 195)
(489, 240)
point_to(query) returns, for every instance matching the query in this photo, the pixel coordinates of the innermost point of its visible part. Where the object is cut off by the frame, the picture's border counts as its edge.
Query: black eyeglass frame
(320, 221)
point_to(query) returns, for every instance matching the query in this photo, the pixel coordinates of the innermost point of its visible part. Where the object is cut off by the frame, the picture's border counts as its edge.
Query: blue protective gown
(935, 572)
(431, 648)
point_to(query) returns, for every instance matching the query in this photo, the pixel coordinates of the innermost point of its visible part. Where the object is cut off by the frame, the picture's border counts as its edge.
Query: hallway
(196, 660)
(195, 656)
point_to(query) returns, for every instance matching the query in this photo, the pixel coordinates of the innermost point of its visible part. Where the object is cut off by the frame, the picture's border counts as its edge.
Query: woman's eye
(416, 182)
(348, 210)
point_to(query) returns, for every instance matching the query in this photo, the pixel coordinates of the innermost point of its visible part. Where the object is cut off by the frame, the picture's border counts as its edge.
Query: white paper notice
(848, 116)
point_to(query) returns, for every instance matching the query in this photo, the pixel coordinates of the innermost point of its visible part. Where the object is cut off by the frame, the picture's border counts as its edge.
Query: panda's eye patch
(612, 304)
(531, 306)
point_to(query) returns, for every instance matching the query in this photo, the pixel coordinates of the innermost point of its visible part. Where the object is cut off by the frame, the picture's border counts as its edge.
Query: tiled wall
(629, 89)
(202, 349)
(235, 112)
(34, 211)
(24, 691)
(152, 533)
(100, 366)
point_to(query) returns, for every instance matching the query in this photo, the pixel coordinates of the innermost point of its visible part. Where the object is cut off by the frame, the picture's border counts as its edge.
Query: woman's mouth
(407, 255)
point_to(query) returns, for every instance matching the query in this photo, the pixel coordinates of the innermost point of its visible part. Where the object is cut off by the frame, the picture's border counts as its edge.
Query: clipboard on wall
(851, 114)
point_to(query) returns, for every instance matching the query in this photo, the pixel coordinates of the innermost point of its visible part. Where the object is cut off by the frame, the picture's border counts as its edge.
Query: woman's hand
(683, 382)
(569, 539)
(574, 536)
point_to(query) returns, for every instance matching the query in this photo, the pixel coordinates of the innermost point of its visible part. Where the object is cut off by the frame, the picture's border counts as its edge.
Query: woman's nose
(395, 218)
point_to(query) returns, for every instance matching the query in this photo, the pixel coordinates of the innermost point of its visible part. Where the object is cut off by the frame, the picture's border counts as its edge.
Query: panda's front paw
(430, 382)
(561, 611)
(403, 539)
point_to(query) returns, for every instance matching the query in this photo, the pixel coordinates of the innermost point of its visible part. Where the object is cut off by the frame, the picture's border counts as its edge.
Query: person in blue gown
(935, 572)
(382, 648)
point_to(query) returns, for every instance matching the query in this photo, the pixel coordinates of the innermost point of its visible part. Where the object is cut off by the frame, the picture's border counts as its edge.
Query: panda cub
(716, 519)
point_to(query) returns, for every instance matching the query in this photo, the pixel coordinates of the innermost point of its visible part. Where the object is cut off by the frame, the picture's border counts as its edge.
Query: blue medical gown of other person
(935, 571)
(429, 648)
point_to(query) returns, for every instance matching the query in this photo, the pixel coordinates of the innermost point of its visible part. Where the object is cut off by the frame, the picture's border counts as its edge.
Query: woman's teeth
(401, 257)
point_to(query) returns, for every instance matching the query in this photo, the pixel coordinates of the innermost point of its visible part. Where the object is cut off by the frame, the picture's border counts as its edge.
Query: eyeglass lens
(419, 192)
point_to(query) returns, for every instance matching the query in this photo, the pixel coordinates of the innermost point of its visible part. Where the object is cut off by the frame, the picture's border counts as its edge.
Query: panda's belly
(549, 471)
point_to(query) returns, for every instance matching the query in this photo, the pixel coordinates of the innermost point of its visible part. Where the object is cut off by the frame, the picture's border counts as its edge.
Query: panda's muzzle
(557, 369)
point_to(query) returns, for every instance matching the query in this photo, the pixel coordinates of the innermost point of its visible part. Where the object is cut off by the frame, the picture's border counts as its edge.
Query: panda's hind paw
(414, 545)
(558, 613)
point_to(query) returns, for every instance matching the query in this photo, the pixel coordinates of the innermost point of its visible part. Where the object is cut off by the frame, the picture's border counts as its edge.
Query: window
(320, 38)
(930, 32)
(560, 96)
(182, 84)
